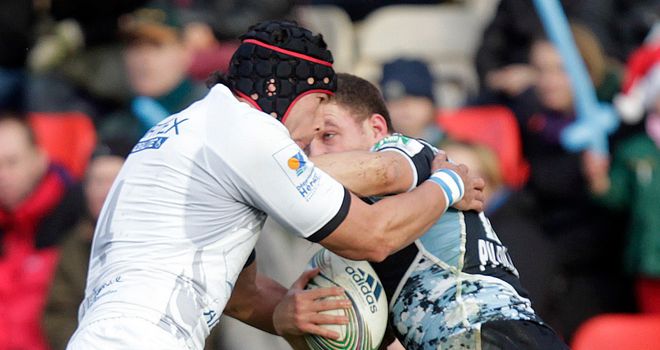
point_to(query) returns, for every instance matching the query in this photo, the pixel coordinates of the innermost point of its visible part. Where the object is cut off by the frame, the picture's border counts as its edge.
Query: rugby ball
(368, 314)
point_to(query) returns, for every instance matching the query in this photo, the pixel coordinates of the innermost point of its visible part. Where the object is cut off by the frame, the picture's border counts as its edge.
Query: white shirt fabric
(186, 210)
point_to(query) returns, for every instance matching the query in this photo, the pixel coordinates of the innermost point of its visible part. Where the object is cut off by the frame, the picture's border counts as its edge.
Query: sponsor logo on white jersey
(156, 136)
(302, 174)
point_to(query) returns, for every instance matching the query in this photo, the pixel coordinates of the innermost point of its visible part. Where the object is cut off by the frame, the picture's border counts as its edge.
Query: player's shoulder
(229, 120)
(410, 145)
(243, 138)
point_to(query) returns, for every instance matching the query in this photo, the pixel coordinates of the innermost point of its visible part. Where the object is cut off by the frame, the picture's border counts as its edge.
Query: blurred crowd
(81, 81)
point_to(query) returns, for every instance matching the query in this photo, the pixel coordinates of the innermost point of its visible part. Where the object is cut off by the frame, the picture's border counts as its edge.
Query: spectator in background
(212, 28)
(407, 86)
(502, 59)
(604, 72)
(208, 54)
(551, 92)
(68, 288)
(590, 279)
(76, 55)
(631, 183)
(157, 62)
(32, 216)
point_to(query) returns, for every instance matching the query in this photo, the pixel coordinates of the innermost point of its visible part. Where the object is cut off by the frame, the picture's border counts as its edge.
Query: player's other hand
(473, 199)
(299, 312)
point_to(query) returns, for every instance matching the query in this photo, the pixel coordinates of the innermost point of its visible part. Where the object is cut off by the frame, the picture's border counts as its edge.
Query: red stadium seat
(495, 127)
(619, 332)
(68, 138)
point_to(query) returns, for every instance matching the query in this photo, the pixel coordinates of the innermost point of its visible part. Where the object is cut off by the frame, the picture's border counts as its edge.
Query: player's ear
(378, 125)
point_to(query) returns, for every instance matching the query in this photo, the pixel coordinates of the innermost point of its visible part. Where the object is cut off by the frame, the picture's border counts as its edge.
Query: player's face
(340, 132)
(302, 120)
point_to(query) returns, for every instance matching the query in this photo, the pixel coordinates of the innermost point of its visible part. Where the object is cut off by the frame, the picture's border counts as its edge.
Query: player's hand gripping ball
(368, 314)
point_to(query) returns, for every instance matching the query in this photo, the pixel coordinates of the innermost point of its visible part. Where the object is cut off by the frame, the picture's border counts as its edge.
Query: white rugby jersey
(187, 207)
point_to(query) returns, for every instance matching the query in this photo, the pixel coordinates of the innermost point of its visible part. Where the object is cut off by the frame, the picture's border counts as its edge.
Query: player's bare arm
(256, 296)
(368, 173)
(376, 174)
(373, 232)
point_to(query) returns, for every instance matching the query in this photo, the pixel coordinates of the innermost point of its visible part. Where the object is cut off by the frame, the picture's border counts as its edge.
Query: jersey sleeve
(273, 174)
(419, 153)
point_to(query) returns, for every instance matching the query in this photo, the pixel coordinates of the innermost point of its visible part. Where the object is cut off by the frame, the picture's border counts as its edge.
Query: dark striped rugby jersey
(458, 264)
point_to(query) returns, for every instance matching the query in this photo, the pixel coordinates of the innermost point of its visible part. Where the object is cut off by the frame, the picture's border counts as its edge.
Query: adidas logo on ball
(370, 288)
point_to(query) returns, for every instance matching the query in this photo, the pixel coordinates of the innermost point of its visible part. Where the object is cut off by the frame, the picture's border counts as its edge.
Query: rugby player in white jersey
(456, 286)
(183, 215)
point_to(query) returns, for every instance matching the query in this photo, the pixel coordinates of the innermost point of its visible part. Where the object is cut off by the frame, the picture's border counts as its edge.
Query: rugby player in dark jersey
(455, 287)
